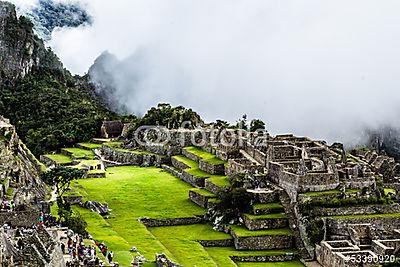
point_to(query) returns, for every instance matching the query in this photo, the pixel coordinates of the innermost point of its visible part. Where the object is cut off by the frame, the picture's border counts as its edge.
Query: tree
(242, 123)
(61, 178)
(256, 125)
(221, 124)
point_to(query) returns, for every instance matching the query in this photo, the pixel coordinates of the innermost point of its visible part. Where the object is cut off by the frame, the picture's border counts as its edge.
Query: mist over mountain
(48, 15)
(297, 66)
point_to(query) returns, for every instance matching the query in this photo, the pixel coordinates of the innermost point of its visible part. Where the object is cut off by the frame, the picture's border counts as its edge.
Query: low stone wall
(264, 196)
(355, 210)
(193, 180)
(218, 169)
(338, 226)
(96, 175)
(132, 158)
(49, 162)
(261, 224)
(185, 176)
(263, 242)
(170, 222)
(190, 155)
(213, 188)
(266, 258)
(179, 164)
(217, 243)
(199, 199)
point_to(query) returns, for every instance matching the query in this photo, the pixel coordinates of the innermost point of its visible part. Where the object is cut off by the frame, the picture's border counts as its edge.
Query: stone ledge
(217, 169)
(264, 223)
(263, 242)
(216, 243)
(200, 199)
(171, 222)
(266, 258)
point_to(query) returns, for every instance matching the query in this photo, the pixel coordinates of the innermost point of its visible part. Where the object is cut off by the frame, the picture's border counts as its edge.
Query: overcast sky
(319, 68)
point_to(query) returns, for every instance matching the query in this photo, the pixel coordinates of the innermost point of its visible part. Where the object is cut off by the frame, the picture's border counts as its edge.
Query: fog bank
(325, 69)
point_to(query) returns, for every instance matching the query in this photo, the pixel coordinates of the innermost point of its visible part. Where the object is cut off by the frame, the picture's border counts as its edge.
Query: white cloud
(319, 68)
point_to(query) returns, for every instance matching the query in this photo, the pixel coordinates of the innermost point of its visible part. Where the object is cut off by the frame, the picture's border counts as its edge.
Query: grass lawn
(133, 192)
(90, 146)
(241, 231)
(221, 255)
(222, 181)
(389, 190)
(80, 153)
(59, 158)
(181, 241)
(208, 157)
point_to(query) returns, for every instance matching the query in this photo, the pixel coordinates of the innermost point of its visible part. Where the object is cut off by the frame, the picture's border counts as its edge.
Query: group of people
(7, 205)
(82, 254)
(79, 252)
(104, 250)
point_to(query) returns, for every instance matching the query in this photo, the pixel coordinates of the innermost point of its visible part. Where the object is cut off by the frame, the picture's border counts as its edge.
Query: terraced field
(136, 192)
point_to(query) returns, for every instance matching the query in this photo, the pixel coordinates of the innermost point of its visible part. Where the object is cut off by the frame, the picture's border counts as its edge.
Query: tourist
(110, 256)
(63, 248)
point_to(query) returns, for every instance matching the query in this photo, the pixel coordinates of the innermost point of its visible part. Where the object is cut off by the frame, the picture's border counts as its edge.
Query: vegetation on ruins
(256, 125)
(233, 202)
(61, 178)
(168, 116)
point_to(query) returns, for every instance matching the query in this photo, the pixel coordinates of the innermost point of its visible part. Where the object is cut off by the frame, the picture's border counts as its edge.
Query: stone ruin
(111, 129)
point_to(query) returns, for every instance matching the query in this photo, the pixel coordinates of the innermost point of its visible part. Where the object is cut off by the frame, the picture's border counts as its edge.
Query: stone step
(217, 184)
(263, 222)
(264, 195)
(200, 196)
(245, 239)
(267, 208)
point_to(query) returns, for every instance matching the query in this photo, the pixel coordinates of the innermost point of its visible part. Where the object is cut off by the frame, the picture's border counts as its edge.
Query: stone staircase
(265, 229)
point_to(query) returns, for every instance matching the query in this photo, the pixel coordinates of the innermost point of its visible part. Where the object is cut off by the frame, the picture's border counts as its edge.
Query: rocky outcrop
(19, 168)
(94, 206)
(21, 51)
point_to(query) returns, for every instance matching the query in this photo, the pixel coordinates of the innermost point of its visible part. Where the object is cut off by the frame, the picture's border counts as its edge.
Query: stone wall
(267, 223)
(217, 243)
(125, 157)
(217, 169)
(266, 258)
(213, 188)
(170, 222)
(382, 224)
(262, 242)
(190, 155)
(354, 210)
(199, 199)
(179, 164)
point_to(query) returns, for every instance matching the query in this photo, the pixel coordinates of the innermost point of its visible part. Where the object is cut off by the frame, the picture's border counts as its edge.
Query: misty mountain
(49, 107)
(48, 15)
